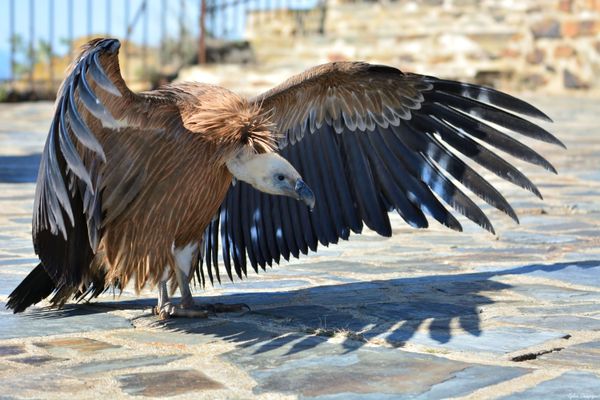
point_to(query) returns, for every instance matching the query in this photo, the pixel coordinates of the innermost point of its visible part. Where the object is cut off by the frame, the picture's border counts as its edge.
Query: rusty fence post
(202, 35)
(13, 63)
(31, 50)
(51, 45)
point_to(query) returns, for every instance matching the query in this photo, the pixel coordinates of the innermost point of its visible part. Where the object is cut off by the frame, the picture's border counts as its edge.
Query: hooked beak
(305, 194)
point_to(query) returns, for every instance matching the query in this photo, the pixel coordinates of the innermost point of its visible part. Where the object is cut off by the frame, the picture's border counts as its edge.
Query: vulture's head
(243, 133)
(271, 173)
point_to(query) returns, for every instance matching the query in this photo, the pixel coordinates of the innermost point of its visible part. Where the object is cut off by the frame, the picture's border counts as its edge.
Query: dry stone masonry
(549, 45)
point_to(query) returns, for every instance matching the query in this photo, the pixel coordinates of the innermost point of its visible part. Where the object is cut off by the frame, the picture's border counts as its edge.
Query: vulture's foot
(170, 310)
(187, 302)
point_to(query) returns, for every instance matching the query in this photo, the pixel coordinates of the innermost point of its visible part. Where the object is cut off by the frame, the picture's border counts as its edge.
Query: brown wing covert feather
(370, 139)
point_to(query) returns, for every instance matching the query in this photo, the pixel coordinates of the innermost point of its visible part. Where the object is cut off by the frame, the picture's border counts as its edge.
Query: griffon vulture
(141, 187)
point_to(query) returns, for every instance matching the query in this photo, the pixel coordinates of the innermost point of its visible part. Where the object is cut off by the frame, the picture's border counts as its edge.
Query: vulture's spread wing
(93, 104)
(370, 139)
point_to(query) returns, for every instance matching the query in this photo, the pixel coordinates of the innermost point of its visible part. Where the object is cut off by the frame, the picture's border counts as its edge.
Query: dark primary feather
(370, 139)
(99, 75)
(68, 121)
(35, 287)
(488, 134)
(68, 208)
(79, 128)
(487, 95)
(66, 218)
(494, 115)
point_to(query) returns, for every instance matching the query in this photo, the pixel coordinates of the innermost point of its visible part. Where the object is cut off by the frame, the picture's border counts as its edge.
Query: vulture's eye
(280, 177)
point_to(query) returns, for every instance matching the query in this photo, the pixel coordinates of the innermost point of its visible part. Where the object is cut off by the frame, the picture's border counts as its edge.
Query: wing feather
(238, 237)
(487, 95)
(261, 238)
(69, 212)
(281, 233)
(268, 223)
(80, 129)
(330, 146)
(488, 134)
(100, 76)
(209, 248)
(495, 115)
(370, 139)
(307, 230)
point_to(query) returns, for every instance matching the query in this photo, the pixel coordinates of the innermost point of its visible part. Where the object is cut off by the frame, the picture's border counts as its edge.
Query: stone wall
(549, 45)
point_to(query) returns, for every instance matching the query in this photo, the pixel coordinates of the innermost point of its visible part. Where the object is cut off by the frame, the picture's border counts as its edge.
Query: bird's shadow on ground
(19, 169)
(390, 310)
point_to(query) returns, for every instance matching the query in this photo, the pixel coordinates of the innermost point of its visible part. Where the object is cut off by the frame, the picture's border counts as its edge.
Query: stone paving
(424, 315)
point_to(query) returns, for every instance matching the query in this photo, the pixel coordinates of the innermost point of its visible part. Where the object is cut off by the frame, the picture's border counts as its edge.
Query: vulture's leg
(164, 306)
(189, 308)
(165, 309)
(163, 300)
(187, 301)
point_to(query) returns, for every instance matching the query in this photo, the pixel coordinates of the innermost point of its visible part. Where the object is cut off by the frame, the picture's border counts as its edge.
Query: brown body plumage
(181, 184)
(138, 185)
(165, 175)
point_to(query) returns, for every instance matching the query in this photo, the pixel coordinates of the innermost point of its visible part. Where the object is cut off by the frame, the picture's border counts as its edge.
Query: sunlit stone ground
(423, 315)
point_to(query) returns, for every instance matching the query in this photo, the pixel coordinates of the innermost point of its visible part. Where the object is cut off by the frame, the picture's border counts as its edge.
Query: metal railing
(157, 35)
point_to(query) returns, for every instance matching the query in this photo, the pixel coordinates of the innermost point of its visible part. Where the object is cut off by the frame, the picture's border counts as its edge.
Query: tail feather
(35, 287)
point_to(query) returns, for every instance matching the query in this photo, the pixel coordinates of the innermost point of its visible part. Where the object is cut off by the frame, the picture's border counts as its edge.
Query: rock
(557, 295)
(500, 340)
(533, 81)
(418, 310)
(36, 322)
(166, 383)
(584, 355)
(437, 2)
(593, 5)
(76, 346)
(9, 350)
(113, 364)
(564, 51)
(536, 56)
(315, 368)
(570, 385)
(228, 52)
(510, 53)
(313, 316)
(572, 81)
(546, 28)
(333, 57)
(556, 322)
(575, 28)
(565, 5)
(36, 360)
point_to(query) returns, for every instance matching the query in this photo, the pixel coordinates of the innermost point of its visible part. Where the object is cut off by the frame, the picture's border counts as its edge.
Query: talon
(168, 311)
(164, 315)
(191, 310)
(165, 311)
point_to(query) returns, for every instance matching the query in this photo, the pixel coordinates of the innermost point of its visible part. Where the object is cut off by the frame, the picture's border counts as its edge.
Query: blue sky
(41, 10)
(4, 64)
